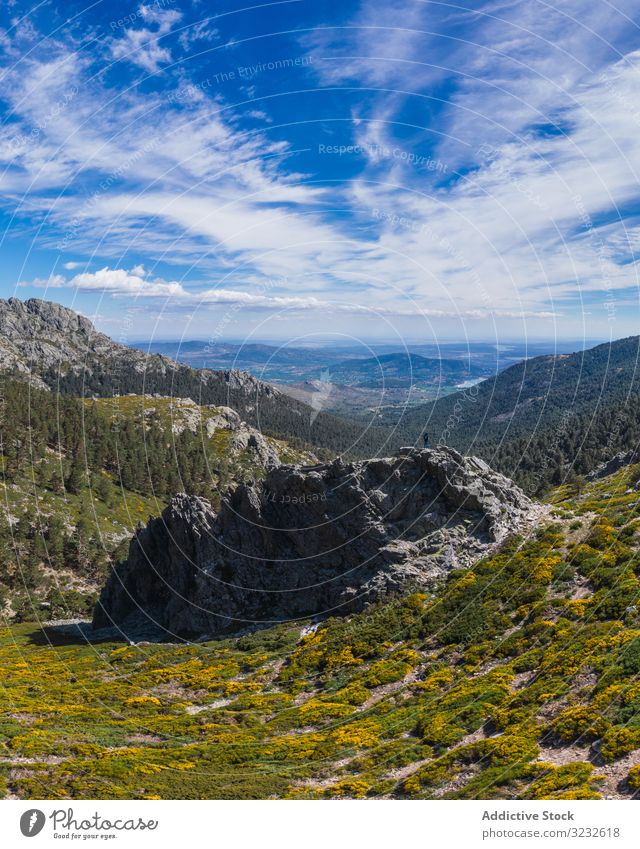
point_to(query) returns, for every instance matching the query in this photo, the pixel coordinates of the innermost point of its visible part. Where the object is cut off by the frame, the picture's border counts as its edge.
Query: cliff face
(311, 541)
(45, 341)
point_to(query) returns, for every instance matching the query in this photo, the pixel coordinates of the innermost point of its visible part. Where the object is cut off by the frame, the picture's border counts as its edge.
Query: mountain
(59, 349)
(403, 370)
(539, 419)
(310, 540)
(515, 678)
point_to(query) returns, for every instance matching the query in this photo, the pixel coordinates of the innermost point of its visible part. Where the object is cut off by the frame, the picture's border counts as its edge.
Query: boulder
(311, 541)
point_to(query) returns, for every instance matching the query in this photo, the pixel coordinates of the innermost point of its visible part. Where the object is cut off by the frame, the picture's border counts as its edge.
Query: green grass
(495, 685)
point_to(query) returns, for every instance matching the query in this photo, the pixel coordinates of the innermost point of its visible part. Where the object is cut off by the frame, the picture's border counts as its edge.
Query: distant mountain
(58, 349)
(381, 363)
(404, 370)
(538, 419)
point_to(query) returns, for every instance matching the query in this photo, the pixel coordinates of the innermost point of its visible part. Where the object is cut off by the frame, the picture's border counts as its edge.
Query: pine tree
(76, 477)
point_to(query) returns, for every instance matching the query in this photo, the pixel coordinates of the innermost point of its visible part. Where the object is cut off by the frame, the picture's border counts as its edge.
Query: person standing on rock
(425, 439)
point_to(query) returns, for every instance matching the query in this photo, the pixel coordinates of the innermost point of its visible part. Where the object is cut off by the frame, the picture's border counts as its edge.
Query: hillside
(514, 679)
(542, 418)
(403, 370)
(61, 350)
(77, 477)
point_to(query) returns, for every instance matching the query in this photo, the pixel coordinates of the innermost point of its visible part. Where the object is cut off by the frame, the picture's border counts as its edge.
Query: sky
(295, 170)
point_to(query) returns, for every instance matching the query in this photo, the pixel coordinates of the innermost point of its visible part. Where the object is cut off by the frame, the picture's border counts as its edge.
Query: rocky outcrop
(187, 415)
(311, 540)
(46, 341)
(36, 335)
(617, 462)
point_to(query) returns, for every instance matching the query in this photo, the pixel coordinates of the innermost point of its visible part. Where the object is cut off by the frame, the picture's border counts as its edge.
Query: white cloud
(182, 182)
(120, 282)
(54, 281)
(141, 46)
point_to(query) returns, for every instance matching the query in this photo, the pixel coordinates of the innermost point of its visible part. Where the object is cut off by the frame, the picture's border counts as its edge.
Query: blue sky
(410, 170)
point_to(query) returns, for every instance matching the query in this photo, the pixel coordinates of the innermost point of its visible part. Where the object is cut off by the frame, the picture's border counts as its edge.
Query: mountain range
(537, 421)
(197, 608)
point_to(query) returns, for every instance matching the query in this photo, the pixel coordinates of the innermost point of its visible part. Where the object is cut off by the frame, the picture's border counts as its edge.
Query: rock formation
(617, 462)
(312, 540)
(47, 342)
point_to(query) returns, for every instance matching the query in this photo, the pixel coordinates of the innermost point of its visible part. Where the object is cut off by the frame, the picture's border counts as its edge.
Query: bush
(630, 657)
(571, 781)
(633, 777)
(618, 742)
(576, 723)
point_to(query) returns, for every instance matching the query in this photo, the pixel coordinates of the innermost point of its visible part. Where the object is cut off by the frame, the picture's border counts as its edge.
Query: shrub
(350, 788)
(630, 657)
(618, 742)
(571, 781)
(633, 777)
(582, 722)
(509, 748)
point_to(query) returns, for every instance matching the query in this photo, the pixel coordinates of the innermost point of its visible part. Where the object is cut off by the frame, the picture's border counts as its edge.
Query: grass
(496, 684)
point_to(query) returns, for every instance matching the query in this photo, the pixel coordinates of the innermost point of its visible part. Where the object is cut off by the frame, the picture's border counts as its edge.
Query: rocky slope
(311, 541)
(58, 349)
(48, 341)
(617, 462)
(242, 446)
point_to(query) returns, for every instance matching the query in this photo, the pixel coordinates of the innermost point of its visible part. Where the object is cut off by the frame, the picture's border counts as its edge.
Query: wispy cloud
(141, 45)
(532, 112)
(120, 282)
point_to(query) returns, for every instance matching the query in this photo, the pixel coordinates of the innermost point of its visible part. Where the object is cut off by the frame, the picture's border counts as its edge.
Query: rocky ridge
(617, 462)
(312, 541)
(44, 340)
(56, 349)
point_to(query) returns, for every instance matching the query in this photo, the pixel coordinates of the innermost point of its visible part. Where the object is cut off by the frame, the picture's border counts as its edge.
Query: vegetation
(77, 477)
(518, 679)
(544, 421)
(289, 419)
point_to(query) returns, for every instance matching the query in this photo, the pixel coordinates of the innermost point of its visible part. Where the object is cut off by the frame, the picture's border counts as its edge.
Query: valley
(201, 600)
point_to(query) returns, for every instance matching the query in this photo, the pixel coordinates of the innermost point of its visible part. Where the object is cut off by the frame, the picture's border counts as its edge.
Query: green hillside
(518, 679)
(403, 370)
(544, 418)
(77, 477)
